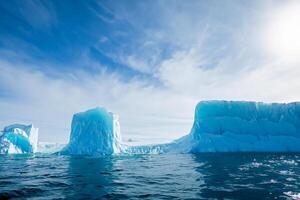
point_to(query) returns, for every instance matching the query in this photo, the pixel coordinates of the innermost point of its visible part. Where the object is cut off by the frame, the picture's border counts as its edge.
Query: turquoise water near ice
(167, 176)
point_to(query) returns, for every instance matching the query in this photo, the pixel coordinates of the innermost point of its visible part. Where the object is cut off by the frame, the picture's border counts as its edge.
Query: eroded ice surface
(237, 126)
(93, 132)
(19, 138)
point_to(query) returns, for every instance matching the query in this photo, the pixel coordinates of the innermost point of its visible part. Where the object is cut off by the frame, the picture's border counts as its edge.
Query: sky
(149, 61)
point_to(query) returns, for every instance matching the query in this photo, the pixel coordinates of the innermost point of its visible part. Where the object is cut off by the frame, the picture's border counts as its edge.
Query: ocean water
(180, 176)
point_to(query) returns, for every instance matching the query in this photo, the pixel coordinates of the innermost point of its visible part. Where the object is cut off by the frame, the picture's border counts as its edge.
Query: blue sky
(148, 61)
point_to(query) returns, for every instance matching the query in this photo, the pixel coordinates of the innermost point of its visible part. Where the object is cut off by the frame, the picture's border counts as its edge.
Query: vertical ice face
(116, 134)
(245, 126)
(95, 131)
(18, 138)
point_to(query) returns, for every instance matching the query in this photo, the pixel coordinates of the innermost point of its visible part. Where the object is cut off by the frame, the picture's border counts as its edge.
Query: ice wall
(19, 138)
(238, 126)
(93, 132)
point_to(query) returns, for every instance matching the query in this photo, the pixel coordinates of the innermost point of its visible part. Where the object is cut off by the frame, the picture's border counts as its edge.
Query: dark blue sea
(181, 176)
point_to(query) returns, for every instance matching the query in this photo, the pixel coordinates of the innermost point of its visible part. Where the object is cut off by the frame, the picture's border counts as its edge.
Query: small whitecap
(291, 179)
(243, 168)
(285, 172)
(273, 181)
(256, 164)
(293, 195)
(290, 162)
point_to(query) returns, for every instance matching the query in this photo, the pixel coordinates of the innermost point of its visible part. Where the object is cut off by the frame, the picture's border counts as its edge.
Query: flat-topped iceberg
(94, 132)
(238, 126)
(19, 138)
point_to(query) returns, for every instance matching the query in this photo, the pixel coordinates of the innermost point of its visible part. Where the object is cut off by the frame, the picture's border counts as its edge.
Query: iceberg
(148, 149)
(94, 132)
(19, 138)
(240, 126)
(219, 126)
(48, 147)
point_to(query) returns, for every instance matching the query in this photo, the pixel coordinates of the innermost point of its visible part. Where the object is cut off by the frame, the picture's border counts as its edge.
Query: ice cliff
(94, 132)
(238, 126)
(18, 138)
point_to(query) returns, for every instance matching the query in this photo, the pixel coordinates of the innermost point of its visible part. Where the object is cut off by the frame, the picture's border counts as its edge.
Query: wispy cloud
(195, 51)
(136, 64)
(50, 102)
(39, 14)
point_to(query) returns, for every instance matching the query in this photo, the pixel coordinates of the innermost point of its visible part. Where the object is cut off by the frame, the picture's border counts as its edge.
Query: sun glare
(282, 32)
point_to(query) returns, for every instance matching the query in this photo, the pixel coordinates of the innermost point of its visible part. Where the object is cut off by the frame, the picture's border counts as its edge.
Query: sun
(281, 33)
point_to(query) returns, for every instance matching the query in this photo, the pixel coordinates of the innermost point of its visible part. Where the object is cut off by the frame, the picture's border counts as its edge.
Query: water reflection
(245, 175)
(158, 176)
(89, 177)
(181, 176)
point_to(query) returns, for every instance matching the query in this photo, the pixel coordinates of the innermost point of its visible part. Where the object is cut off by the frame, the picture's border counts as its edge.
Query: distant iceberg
(94, 132)
(48, 147)
(148, 149)
(18, 138)
(239, 126)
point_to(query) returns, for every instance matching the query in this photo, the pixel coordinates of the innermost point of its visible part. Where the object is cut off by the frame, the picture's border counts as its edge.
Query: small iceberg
(94, 132)
(18, 139)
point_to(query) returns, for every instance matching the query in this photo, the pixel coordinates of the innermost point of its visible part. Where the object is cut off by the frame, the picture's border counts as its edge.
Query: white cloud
(243, 71)
(44, 13)
(136, 64)
(210, 58)
(49, 102)
(145, 111)
(271, 81)
(103, 39)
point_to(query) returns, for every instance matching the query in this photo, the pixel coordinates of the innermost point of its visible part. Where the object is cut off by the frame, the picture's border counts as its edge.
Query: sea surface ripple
(168, 176)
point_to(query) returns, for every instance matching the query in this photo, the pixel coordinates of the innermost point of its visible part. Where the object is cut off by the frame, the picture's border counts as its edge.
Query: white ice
(18, 138)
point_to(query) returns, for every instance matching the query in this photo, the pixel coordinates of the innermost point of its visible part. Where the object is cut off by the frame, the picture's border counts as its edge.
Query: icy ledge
(94, 132)
(19, 138)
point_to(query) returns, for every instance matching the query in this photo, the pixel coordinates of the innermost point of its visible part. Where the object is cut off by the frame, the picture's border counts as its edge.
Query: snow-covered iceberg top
(93, 132)
(238, 126)
(19, 138)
